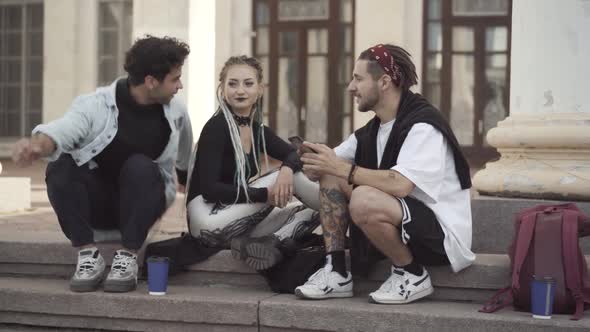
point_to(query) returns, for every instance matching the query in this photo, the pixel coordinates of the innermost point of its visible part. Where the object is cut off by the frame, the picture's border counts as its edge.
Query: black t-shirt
(142, 129)
(215, 167)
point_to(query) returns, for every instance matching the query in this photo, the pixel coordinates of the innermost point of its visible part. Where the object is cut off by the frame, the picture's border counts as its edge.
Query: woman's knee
(307, 191)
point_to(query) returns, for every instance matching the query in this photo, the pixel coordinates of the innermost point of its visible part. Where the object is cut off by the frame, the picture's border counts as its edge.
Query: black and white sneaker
(259, 253)
(89, 271)
(123, 275)
(402, 287)
(325, 284)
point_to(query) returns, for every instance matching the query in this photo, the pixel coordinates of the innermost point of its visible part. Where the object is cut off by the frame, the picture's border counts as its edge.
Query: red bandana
(380, 54)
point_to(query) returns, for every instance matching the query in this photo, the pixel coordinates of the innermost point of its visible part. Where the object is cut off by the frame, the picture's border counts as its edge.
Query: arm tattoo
(392, 174)
(335, 218)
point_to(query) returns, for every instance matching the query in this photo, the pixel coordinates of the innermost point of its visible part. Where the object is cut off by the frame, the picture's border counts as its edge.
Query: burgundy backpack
(546, 244)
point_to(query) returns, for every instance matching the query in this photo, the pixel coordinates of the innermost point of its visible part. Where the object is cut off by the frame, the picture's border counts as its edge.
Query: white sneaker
(325, 284)
(123, 275)
(89, 271)
(402, 287)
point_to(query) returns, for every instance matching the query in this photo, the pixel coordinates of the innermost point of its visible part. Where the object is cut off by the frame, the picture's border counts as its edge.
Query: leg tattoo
(334, 217)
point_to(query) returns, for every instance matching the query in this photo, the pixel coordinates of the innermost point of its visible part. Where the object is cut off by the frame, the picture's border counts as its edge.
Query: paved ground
(35, 172)
(42, 218)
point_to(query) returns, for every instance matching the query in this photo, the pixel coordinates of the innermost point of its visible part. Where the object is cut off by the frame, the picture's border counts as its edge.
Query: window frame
(23, 59)
(477, 152)
(122, 47)
(333, 24)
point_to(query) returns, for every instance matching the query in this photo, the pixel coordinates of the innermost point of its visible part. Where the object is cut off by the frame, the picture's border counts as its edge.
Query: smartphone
(298, 143)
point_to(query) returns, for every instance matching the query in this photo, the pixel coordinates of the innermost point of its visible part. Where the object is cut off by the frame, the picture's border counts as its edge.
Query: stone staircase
(222, 294)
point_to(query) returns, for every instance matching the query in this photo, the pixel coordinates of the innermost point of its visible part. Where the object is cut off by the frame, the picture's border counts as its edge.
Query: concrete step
(53, 257)
(49, 255)
(47, 303)
(493, 222)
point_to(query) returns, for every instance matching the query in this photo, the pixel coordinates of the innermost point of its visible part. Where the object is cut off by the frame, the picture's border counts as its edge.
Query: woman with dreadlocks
(223, 204)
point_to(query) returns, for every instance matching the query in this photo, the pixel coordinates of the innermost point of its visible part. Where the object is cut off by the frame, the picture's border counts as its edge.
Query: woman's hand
(281, 192)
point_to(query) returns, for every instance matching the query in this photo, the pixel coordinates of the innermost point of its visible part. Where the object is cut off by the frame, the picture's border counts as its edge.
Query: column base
(544, 156)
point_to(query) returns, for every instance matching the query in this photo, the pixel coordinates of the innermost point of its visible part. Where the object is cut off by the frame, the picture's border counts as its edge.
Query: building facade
(52, 51)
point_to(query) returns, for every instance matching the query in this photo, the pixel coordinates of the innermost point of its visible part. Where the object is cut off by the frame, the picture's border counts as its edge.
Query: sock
(414, 268)
(337, 259)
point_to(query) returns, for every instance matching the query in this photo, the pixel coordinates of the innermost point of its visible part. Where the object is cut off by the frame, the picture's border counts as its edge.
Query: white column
(201, 72)
(545, 142)
(70, 54)
(217, 30)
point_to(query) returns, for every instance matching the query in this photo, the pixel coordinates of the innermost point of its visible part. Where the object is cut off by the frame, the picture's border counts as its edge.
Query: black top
(413, 109)
(141, 129)
(215, 167)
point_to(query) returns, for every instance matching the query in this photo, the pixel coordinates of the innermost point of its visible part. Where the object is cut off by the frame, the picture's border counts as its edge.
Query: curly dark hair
(154, 56)
(403, 59)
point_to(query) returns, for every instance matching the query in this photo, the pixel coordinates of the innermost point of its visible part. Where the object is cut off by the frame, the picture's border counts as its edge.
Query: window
(115, 22)
(21, 67)
(467, 65)
(303, 46)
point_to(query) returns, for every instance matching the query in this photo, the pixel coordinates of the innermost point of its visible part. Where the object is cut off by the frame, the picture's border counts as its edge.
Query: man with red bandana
(400, 182)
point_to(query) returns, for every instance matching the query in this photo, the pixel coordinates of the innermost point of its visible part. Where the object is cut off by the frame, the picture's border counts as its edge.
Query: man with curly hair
(113, 156)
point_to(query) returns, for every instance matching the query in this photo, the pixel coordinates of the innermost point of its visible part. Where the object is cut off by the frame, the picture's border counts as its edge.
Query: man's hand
(24, 152)
(324, 161)
(281, 192)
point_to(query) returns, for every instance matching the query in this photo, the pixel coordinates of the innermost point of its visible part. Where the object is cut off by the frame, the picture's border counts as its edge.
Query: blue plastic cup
(542, 294)
(157, 275)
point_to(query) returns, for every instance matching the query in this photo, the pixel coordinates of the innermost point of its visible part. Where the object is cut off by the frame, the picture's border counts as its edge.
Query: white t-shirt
(427, 161)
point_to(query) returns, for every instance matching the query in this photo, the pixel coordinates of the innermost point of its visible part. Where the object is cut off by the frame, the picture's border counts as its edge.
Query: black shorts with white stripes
(422, 233)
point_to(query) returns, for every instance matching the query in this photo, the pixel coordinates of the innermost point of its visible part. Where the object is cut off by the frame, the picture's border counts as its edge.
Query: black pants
(85, 199)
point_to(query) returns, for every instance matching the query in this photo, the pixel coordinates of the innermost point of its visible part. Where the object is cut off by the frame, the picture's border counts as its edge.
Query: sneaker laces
(395, 279)
(121, 263)
(86, 266)
(320, 277)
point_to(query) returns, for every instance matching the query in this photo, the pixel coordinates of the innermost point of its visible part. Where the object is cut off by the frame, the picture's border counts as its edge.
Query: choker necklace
(242, 121)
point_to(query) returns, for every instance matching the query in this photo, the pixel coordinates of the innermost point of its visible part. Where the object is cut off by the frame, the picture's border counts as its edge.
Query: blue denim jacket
(91, 124)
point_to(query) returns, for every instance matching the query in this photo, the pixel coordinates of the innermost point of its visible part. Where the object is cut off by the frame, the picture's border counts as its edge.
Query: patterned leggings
(217, 224)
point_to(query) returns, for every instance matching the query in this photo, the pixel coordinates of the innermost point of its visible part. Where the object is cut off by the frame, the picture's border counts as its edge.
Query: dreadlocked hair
(256, 116)
(243, 171)
(408, 76)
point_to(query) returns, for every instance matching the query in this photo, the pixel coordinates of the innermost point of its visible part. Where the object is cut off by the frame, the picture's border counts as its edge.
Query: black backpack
(301, 260)
(182, 251)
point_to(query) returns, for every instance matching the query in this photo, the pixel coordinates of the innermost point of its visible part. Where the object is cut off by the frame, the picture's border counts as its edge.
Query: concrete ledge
(356, 314)
(15, 194)
(48, 303)
(69, 323)
(201, 305)
(49, 255)
(493, 222)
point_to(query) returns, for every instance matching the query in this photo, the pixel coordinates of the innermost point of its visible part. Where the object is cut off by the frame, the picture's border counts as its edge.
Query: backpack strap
(522, 243)
(571, 256)
(501, 299)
